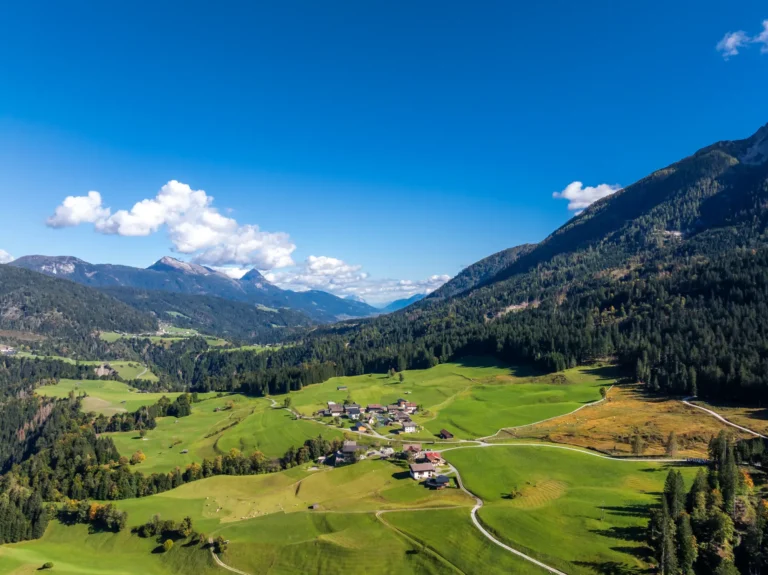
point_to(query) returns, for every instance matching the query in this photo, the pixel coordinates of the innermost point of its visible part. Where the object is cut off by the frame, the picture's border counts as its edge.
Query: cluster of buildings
(426, 467)
(375, 414)
(7, 350)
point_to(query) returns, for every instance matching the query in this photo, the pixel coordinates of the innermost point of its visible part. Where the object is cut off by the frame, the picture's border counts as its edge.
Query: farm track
(721, 418)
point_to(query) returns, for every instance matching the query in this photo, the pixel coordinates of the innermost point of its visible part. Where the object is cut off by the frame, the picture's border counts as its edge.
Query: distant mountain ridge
(49, 306)
(402, 303)
(172, 275)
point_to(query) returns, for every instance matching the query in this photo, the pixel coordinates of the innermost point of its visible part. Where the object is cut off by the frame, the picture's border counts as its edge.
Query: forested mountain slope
(482, 271)
(214, 315)
(33, 302)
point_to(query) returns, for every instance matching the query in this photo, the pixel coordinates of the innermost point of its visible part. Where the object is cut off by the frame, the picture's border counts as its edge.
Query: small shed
(445, 434)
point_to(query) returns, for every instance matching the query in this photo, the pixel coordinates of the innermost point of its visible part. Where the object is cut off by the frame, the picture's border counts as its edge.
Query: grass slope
(126, 369)
(472, 398)
(104, 396)
(451, 534)
(597, 507)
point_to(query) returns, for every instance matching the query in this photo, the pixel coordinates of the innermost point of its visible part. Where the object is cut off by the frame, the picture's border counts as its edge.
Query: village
(423, 465)
(375, 415)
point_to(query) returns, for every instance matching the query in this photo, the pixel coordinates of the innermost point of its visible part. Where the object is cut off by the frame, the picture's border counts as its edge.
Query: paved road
(721, 418)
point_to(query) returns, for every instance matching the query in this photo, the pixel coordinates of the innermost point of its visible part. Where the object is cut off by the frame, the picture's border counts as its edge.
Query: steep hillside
(33, 302)
(171, 275)
(482, 271)
(214, 315)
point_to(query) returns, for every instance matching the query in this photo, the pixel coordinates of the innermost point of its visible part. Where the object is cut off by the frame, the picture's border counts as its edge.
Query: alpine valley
(593, 403)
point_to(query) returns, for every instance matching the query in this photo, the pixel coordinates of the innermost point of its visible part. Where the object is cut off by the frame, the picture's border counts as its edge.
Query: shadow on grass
(612, 568)
(634, 533)
(638, 510)
(401, 475)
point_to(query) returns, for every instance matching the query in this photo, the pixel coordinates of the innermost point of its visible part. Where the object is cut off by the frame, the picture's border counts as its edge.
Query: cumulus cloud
(732, 42)
(762, 38)
(193, 225)
(343, 279)
(580, 197)
(5, 257)
(76, 210)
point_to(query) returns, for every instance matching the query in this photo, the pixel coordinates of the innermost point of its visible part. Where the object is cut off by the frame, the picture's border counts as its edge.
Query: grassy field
(252, 424)
(196, 434)
(111, 337)
(125, 369)
(610, 425)
(597, 507)
(104, 396)
(473, 398)
(74, 551)
(458, 541)
(273, 431)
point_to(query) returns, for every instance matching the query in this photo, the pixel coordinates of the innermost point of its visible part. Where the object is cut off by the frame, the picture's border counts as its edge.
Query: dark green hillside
(214, 315)
(33, 302)
(482, 271)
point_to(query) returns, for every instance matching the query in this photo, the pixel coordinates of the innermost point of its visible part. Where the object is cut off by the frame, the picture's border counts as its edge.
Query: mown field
(598, 508)
(176, 334)
(471, 399)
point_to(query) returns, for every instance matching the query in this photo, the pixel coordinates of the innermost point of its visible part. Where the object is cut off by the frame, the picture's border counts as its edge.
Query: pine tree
(686, 545)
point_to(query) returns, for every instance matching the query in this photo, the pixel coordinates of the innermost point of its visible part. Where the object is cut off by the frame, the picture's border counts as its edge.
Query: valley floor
(371, 515)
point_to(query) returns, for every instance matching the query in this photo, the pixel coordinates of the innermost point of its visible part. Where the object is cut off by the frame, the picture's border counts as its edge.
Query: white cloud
(580, 197)
(762, 38)
(194, 227)
(5, 257)
(76, 210)
(732, 42)
(342, 279)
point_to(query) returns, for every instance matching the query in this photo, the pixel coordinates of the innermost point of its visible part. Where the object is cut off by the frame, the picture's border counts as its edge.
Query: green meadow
(272, 431)
(473, 398)
(104, 396)
(126, 369)
(213, 428)
(451, 534)
(598, 508)
(268, 523)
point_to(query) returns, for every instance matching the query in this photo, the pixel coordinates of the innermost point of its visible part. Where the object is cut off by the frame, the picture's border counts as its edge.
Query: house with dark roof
(335, 410)
(352, 412)
(439, 482)
(421, 471)
(412, 448)
(375, 408)
(347, 453)
(445, 434)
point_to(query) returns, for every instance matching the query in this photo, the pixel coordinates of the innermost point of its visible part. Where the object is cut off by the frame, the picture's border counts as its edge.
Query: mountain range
(172, 275)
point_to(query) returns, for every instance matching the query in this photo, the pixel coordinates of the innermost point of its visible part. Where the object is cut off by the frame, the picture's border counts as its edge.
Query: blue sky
(366, 144)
